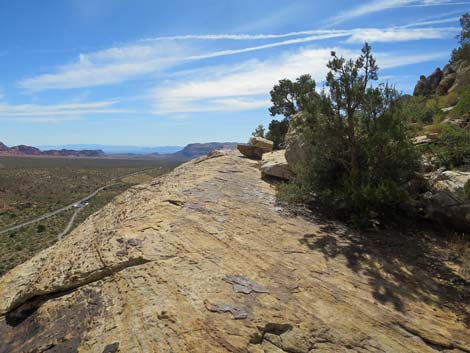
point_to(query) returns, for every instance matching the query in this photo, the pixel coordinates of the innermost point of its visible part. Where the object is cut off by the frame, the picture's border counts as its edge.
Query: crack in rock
(87, 278)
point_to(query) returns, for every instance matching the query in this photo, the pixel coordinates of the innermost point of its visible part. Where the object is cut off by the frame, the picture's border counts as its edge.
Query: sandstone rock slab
(168, 292)
(274, 164)
(252, 152)
(265, 144)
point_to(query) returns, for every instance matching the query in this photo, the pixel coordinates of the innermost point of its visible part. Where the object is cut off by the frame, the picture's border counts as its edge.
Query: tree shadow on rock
(399, 265)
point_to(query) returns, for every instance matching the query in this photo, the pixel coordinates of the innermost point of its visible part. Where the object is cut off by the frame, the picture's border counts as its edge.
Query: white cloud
(400, 34)
(433, 22)
(185, 106)
(247, 85)
(237, 36)
(119, 64)
(109, 66)
(55, 112)
(382, 5)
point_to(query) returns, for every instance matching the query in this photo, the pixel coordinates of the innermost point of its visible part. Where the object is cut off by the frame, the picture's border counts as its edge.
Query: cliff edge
(203, 260)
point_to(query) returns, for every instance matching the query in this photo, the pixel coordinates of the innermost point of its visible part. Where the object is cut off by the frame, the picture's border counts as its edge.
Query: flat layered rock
(203, 260)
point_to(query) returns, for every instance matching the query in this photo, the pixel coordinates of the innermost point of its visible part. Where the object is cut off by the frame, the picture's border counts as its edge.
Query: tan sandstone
(203, 260)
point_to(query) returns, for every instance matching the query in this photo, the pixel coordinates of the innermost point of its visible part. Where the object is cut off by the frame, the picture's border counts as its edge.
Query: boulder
(295, 143)
(265, 144)
(460, 122)
(274, 164)
(250, 151)
(446, 199)
(421, 140)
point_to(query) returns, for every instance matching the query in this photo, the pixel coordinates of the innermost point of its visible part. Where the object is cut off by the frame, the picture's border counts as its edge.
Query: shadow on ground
(399, 265)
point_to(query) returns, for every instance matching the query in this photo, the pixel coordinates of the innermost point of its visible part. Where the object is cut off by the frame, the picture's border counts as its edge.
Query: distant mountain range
(107, 149)
(177, 152)
(23, 150)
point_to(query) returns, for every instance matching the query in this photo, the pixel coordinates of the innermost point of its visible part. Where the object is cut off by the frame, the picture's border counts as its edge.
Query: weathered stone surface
(421, 140)
(446, 83)
(318, 287)
(454, 77)
(265, 144)
(428, 85)
(421, 87)
(274, 164)
(295, 143)
(446, 198)
(252, 152)
(462, 70)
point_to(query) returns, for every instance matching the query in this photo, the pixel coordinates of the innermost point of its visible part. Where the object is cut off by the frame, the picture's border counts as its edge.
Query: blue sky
(151, 72)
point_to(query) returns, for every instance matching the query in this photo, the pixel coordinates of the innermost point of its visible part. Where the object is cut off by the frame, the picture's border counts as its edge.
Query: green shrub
(463, 105)
(40, 228)
(419, 109)
(290, 193)
(360, 155)
(453, 148)
(277, 132)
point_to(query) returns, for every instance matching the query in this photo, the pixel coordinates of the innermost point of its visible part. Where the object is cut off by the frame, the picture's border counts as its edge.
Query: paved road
(72, 219)
(68, 207)
(53, 213)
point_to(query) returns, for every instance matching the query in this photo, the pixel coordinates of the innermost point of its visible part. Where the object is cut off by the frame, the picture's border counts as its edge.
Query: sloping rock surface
(446, 197)
(202, 260)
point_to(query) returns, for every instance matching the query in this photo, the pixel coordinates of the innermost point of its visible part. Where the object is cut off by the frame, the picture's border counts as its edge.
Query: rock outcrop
(203, 260)
(295, 143)
(441, 82)
(428, 85)
(446, 200)
(274, 164)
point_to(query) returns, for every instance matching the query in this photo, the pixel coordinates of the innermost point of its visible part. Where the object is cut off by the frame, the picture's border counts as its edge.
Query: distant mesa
(200, 149)
(23, 150)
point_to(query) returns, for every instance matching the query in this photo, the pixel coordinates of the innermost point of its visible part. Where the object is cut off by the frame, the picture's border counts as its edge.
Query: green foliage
(291, 193)
(289, 97)
(359, 151)
(259, 131)
(466, 189)
(463, 52)
(40, 228)
(417, 110)
(277, 132)
(453, 148)
(463, 105)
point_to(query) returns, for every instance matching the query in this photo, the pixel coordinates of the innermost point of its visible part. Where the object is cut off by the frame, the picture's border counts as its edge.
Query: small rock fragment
(237, 312)
(111, 348)
(134, 242)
